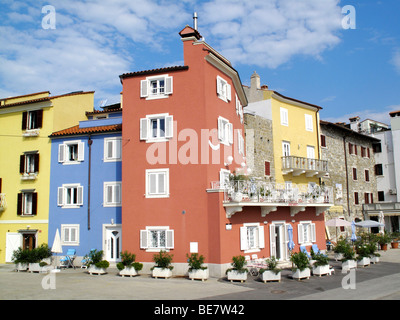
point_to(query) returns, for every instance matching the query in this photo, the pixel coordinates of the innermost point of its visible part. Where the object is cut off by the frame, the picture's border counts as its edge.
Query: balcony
(308, 166)
(3, 203)
(270, 196)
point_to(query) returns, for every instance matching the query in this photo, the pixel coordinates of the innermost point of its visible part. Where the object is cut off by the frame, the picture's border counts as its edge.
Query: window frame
(116, 149)
(116, 200)
(146, 238)
(146, 128)
(309, 122)
(64, 152)
(225, 131)
(62, 194)
(69, 227)
(258, 237)
(284, 113)
(149, 172)
(224, 89)
(146, 87)
(307, 228)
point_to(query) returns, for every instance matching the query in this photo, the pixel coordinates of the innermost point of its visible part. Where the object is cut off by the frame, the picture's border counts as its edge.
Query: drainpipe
(90, 141)
(347, 175)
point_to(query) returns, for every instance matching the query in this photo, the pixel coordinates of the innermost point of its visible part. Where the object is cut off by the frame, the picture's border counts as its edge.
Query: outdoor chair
(68, 260)
(85, 261)
(316, 249)
(303, 249)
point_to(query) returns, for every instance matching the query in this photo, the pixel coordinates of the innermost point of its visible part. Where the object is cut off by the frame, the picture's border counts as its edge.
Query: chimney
(354, 123)
(255, 81)
(195, 21)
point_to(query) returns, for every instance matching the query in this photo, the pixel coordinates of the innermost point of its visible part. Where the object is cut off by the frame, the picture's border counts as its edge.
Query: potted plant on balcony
(321, 264)
(128, 266)
(37, 257)
(238, 272)
(21, 259)
(236, 192)
(196, 268)
(163, 268)
(96, 264)
(272, 272)
(301, 269)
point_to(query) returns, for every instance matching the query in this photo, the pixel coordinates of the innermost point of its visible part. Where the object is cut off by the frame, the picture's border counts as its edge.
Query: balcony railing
(275, 193)
(3, 203)
(298, 165)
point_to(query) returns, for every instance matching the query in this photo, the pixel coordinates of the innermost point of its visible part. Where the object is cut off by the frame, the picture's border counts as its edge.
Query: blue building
(85, 184)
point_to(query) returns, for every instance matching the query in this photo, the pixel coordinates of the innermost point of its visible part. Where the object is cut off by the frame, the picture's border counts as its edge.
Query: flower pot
(128, 272)
(349, 264)
(237, 196)
(234, 275)
(321, 270)
(384, 247)
(374, 259)
(94, 270)
(21, 267)
(395, 245)
(301, 274)
(269, 275)
(365, 261)
(161, 273)
(199, 274)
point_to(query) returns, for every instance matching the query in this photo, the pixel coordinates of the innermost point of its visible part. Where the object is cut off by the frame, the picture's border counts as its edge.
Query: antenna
(195, 21)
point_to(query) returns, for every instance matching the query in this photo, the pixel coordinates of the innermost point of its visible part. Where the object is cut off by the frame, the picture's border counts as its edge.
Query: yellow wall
(59, 113)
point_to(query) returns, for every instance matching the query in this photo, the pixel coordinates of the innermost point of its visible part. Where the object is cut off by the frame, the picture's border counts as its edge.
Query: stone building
(351, 170)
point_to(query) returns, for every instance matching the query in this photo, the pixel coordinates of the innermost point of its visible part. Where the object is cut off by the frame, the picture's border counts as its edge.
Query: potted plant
(339, 249)
(383, 240)
(238, 272)
(348, 260)
(196, 268)
(128, 266)
(395, 237)
(363, 256)
(163, 268)
(36, 257)
(96, 264)
(272, 272)
(321, 264)
(21, 257)
(301, 267)
(374, 256)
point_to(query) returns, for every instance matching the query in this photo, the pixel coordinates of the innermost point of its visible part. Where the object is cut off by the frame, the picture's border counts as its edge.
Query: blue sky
(298, 47)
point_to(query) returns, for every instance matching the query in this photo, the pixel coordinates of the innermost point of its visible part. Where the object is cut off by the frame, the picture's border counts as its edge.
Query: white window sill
(31, 133)
(157, 96)
(252, 250)
(152, 196)
(156, 249)
(71, 206)
(29, 176)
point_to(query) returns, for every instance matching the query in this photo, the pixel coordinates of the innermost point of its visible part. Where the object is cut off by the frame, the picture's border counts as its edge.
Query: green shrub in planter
(195, 262)
(238, 263)
(320, 260)
(272, 264)
(163, 260)
(95, 257)
(20, 256)
(300, 260)
(103, 264)
(128, 261)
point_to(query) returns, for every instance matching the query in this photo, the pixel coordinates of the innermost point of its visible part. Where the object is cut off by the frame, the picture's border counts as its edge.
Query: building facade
(25, 124)
(85, 185)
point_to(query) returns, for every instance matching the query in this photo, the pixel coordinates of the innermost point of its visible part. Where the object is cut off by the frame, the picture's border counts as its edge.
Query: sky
(341, 55)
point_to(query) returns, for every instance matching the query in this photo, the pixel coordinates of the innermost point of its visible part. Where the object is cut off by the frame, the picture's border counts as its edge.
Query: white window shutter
(144, 88)
(60, 197)
(109, 194)
(144, 128)
(313, 234)
(80, 196)
(169, 239)
(229, 92)
(220, 128)
(168, 85)
(230, 133)
(300, 232)
(61, 152)
(243, 238)
(237, 104)
(144, 239)
(81, 151)
(117, 193)
(261, 241)
(219, 86)
(272, 239)
(109, 151)
(118, 145)
(169, 126)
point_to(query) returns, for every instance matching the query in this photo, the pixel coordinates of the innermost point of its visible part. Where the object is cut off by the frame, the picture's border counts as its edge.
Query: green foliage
(300, 260)
(103, 264)
(95, 257)
(341, 246)
(20, 256)
(348, 254)
(320, 259)
(272, 265)
(195, 262)
(32, 256)
(238, 263)
(128, 261)
(383, 238)
(163, 260)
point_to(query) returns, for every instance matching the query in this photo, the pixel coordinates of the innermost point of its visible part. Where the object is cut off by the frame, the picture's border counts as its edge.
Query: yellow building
(292, 136)
(25, 125)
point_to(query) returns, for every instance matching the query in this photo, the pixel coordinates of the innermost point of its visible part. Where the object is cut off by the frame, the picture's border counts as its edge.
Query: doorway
(278, 240)
(113, 243)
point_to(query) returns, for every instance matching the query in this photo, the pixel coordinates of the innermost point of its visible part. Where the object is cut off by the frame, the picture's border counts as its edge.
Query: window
(368, 197)
(323, 141)
(223, 89)
(306, 232)
(286, 148)
(156, 128)
(267, 168)
(350, 148)
(224, 178)
(27, 203)
(240, 142)
(225, 131)
(71, 152)
(157, 183)
(356, 201)
(239, 108)
(354, 173)
(156, 238)
(251, 237)
(309, 122)
(284, 117)
(29, 163)
(70, 195)
(112, 149)
(112, 194)
(381, 195)
(156, 87)
(367, 175)
(377, 147)
(379, 169)
(70, 234)
(32, 120)
(363, 152)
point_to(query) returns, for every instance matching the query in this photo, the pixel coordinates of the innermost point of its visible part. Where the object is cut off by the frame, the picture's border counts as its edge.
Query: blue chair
(315, 249)
(303, 249)
(68, 260)
(85, 261)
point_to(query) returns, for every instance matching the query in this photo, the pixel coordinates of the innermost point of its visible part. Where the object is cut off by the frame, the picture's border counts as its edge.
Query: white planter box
(237, 276)
(321, 270)
(35, 267)
(269, 275)
(21, 267)
(128, 272)
(237, 196)
(94, 270)
(374, 259)
(364, 262)
(199, 274)
(349, 264)
(161, 273)
(306, 273)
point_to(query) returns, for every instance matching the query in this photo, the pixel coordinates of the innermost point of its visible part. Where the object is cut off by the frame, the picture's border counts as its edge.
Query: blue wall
(78, 173)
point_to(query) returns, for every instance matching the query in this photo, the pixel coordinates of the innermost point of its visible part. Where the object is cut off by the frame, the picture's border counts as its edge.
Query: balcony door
(311, 157)
(286, 154)
(278, 240)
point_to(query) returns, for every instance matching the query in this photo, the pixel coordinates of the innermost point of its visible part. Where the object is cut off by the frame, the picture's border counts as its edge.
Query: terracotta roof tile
(76, 130)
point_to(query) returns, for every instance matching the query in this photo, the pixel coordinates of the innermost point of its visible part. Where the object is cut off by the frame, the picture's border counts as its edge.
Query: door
(28, 241)
(311, 157)
(278, 241)
(13, 242)
(113, 244)
(286, 154)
